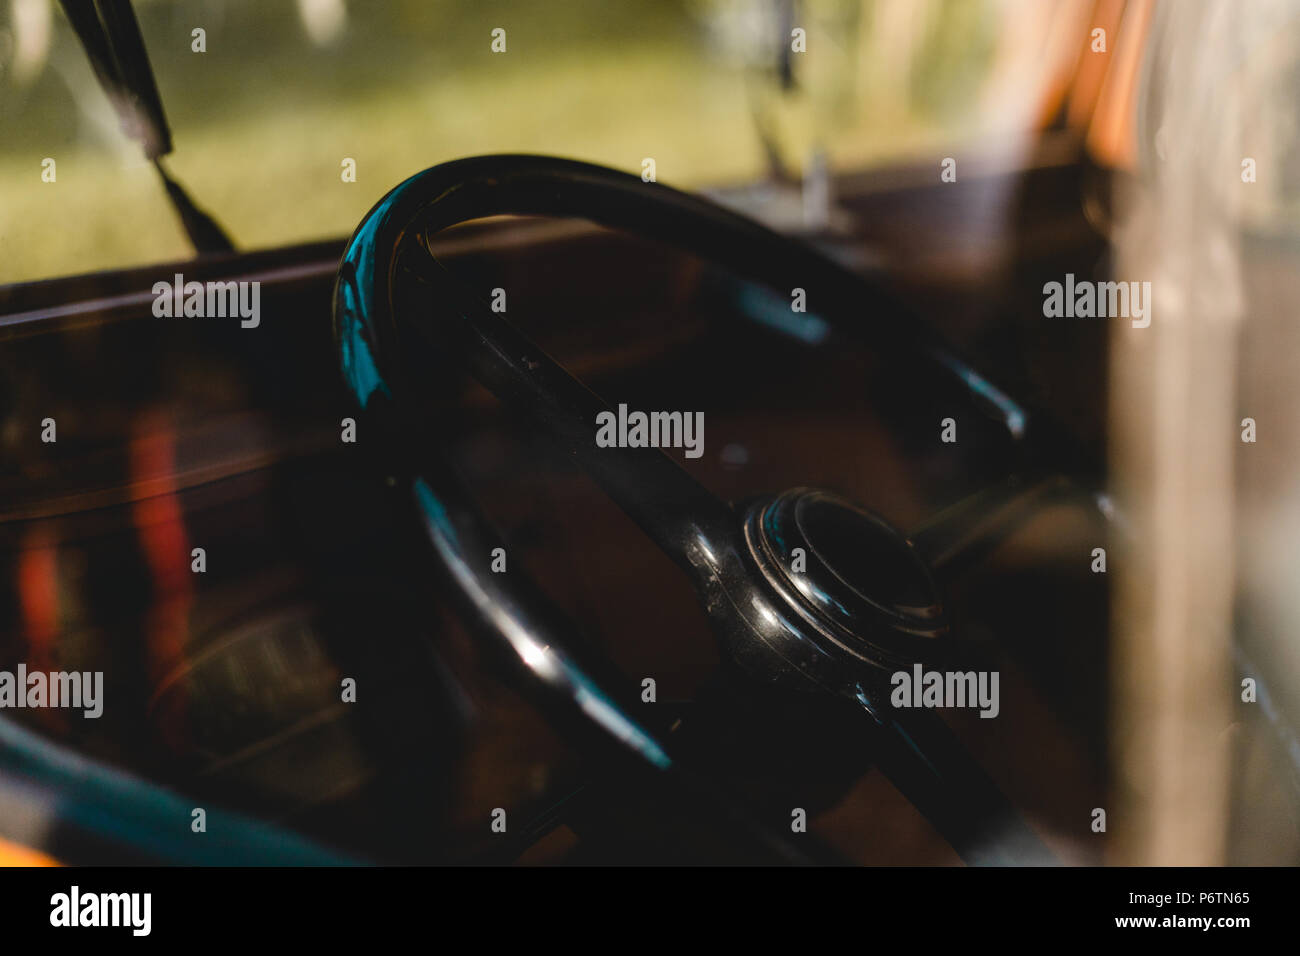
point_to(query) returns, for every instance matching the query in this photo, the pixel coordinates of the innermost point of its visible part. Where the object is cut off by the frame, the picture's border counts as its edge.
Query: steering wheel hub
(849, 573)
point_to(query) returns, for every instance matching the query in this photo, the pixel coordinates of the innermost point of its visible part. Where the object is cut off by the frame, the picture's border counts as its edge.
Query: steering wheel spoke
(666, 502)
(924, 759)
(964, 532)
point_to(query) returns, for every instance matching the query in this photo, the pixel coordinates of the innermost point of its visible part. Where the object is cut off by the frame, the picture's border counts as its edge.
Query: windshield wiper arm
(111, 36)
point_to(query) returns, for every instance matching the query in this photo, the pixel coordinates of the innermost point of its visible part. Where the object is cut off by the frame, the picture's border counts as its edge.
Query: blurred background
(287, 88)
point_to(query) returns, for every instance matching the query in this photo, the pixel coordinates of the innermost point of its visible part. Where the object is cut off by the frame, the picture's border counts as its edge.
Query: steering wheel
(810, 648)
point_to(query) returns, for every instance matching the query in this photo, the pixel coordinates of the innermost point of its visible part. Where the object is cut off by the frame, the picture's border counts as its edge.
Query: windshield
(290, 119)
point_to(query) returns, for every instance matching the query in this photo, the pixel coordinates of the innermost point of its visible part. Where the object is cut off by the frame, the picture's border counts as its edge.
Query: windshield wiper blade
(111, 36)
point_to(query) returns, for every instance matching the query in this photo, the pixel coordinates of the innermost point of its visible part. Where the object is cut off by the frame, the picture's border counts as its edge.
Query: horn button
(850, 574)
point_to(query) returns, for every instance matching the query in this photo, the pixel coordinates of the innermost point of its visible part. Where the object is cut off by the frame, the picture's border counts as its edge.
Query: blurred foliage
(262, 120)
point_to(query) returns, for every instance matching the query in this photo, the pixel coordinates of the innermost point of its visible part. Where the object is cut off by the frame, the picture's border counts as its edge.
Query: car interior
(362, 586)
